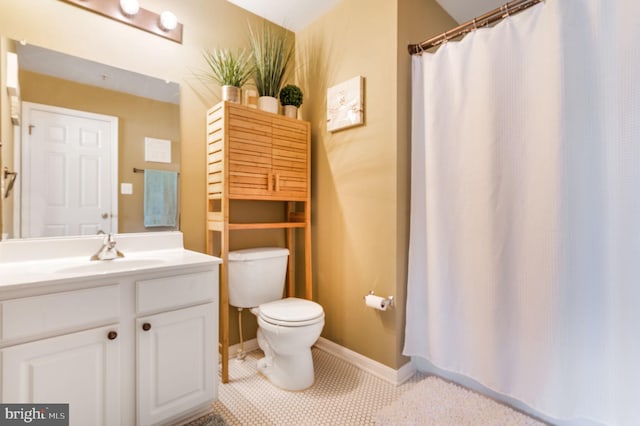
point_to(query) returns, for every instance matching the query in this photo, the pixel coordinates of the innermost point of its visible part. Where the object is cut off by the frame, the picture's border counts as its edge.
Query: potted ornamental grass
(231, 70)
(291, 99)
(271, 52)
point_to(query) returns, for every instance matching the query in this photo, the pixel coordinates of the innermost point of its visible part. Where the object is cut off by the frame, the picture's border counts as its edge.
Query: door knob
(146, 326)
(112, 335)
(105, 215)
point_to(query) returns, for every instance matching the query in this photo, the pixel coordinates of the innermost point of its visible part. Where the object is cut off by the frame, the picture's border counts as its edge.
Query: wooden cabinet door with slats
(289, 159)
(249, 154)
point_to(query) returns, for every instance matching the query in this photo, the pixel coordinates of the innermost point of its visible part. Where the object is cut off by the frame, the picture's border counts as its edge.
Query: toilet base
(289, 372)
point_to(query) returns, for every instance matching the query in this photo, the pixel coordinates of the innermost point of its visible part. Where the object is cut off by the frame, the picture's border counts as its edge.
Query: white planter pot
(291, 111)
(232, 94)
(268, 103)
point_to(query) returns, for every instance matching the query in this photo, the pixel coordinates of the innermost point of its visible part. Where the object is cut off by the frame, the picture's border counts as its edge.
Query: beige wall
(360, 175)
(137, 118)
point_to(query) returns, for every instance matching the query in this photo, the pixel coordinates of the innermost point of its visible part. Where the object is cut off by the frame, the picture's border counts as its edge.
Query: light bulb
(129, 7)
(168, 20)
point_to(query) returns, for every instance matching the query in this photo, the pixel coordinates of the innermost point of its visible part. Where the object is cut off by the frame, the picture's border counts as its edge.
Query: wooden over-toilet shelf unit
(260, 156)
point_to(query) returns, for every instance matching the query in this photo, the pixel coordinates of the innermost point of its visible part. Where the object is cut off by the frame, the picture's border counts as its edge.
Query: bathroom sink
(106, 266)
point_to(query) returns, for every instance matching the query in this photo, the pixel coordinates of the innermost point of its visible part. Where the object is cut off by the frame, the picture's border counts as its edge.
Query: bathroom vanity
(125, 341)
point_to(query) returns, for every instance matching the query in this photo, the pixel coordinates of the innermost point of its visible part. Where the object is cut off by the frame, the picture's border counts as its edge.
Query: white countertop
(53, 260)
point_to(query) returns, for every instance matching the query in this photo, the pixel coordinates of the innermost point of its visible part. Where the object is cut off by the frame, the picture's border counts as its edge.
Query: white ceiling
(297, 14)
(465, 10)
(291, 14)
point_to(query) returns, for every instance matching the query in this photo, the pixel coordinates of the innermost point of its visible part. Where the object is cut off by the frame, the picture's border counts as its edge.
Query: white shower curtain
(524, 260)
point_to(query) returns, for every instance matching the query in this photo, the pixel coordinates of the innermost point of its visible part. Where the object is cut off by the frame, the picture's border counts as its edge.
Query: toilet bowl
(287, 328)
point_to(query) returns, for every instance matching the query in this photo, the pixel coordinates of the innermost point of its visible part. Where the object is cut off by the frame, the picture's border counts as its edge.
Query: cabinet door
(81, 369)
(177, 362)
(289, 159)
(249, 153)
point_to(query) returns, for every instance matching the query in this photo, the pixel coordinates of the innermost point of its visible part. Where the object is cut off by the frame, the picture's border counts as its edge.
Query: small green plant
(228, 68)
(271, 52)
(291, 95)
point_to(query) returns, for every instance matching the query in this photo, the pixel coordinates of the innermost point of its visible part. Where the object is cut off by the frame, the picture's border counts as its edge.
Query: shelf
(270, 225)
(216, 226)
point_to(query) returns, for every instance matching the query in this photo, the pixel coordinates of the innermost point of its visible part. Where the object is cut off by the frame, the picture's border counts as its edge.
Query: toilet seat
(291, 312)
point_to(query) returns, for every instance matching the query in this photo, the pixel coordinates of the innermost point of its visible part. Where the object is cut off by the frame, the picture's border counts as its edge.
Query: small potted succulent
(230, 70)
(291, 99)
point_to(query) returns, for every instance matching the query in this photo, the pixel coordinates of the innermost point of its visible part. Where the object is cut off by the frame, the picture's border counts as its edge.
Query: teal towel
(160, 198)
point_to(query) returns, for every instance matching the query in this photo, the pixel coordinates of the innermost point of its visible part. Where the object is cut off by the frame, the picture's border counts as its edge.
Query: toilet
(287, 328)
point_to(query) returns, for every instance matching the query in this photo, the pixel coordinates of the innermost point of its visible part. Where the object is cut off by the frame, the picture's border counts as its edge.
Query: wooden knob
(112, 335)
(146, 326)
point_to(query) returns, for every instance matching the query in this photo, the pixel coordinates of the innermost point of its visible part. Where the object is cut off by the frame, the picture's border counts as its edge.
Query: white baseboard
(380, 370)
(395, 377)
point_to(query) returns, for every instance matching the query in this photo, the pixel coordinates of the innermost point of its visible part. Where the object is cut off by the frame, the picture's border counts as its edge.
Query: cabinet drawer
(37, 315)
(172, 292)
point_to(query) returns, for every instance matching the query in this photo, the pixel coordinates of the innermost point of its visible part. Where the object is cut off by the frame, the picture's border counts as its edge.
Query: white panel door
(176, 362)
(70, 172)
(81, 369)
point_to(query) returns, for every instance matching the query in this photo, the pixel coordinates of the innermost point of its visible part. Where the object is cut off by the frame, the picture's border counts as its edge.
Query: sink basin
(115, 265)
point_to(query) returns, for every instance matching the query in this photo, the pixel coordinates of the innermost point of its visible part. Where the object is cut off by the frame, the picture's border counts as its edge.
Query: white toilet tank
(256, 275)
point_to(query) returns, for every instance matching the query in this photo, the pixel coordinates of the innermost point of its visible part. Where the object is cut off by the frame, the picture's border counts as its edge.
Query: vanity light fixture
(168, 21)
(129, 7)
(129, 12)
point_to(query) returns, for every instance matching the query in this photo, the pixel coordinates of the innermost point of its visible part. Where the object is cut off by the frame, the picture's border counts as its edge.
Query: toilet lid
(291, 311)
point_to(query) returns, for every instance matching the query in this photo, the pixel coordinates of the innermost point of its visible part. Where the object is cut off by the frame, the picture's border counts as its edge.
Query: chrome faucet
(108, 251)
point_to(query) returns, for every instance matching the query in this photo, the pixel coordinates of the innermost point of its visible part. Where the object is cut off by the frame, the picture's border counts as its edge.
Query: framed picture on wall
(345, 104)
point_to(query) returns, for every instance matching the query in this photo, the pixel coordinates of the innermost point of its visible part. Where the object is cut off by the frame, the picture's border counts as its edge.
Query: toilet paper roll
(376, 302)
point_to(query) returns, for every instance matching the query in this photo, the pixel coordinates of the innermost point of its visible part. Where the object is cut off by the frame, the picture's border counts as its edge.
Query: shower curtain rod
(487, 19)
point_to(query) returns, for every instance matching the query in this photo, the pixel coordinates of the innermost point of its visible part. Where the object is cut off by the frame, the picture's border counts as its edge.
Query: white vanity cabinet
(82, 369)
(127, 348)
(55, 369)
(175, 352)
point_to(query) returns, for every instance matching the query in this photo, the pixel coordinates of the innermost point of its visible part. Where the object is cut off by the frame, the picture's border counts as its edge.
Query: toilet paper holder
(387, 302)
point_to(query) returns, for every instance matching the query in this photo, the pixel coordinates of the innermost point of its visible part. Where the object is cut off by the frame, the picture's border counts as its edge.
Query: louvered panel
(247, 180)
(250, 168)
(249, 147)
(251, 124)
(281, 163)
(293, 145)
(250, 137)
(215, 157)
(215, 167)
(289, 154)
(290, 129)
(293, 174)
(214, 188)
(259, 160)
(213, 147)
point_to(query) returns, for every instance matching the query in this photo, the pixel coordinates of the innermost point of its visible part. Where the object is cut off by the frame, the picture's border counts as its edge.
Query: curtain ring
(506, 10)
(475, 26)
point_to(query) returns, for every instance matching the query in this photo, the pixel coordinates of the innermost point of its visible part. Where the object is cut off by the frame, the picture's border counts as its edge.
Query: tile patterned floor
(341, 395)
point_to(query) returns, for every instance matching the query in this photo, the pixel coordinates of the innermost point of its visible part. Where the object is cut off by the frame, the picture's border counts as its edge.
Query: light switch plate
(126, 188)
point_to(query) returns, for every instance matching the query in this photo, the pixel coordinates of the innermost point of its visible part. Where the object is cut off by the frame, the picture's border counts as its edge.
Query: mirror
(81, 97)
